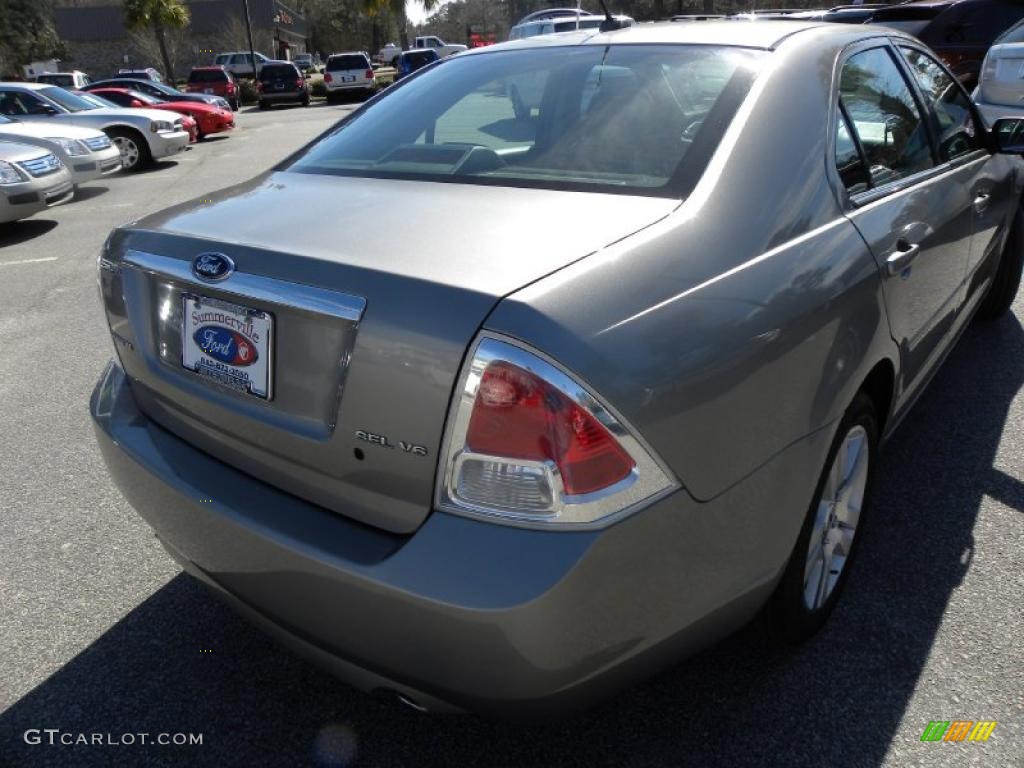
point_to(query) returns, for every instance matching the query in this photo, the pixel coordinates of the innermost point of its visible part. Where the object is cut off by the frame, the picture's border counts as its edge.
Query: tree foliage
(26, 34)
(159, 16)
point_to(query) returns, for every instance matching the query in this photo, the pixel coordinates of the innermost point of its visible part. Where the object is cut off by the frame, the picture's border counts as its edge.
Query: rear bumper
(461, 614)
(361, 85)
(284, 96)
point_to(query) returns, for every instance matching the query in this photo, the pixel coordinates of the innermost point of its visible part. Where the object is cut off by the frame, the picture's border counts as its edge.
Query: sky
(415, 13)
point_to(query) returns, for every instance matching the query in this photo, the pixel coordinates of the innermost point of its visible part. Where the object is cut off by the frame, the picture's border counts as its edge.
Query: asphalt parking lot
(102, 633)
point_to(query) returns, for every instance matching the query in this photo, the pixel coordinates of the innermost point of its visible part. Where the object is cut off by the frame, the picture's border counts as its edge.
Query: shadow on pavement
(837, 701)
(88, 193)
(16, 232)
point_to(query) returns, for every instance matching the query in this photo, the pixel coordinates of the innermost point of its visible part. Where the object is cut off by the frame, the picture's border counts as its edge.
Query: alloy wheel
(835, 522)
(129, 151)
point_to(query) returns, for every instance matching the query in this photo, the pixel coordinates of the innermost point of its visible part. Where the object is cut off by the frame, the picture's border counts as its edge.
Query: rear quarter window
(207, 76)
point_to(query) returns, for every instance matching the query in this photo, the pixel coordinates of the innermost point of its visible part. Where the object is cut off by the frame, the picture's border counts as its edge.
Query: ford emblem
(225, 345)
(212, 266)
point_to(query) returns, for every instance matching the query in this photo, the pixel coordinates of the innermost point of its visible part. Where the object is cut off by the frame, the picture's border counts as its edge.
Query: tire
(264, 105)
(234, 105)
(135, 154)
(1006, 281)
(331, 98)
(814, 579)
(305, 101)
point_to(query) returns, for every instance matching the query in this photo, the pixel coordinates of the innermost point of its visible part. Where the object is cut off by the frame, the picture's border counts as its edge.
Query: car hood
(190, 106)
(49, 131)
(13, 152)
(486, 239)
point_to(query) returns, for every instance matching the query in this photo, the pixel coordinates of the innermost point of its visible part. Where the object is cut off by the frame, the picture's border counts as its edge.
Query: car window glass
(345, 62)
(1014, 34)
(885, 116)
(278, 72)
(849, 163)
(980, 23)
(609, 119)
(16, 103)
(958, 134)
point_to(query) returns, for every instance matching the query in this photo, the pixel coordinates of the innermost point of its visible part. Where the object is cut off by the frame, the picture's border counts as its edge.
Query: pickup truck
(443, 49)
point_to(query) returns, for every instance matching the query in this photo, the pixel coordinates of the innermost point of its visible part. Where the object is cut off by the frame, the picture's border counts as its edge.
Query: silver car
(612, 380)
(141, 135)
(32, 179)
(87, 153)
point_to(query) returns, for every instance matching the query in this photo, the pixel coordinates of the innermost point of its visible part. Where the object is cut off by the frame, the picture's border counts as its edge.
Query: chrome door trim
(262, 289)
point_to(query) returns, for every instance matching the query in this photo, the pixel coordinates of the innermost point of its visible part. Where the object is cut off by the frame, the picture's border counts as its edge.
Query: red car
(209, 119)
(215, 80)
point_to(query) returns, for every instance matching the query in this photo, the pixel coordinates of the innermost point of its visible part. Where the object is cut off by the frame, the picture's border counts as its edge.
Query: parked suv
(280, 82)
(960, 31)
(238, 63)
(216, 80)
(409, 61)
(348, 73)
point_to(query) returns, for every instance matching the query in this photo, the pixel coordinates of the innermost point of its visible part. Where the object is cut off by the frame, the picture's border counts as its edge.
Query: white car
(239, 63)
(141, 135)
(1000, 91)
(31, 180)
(349, 73)
(443, 49)
(389, 53)
(74, 79)
(87, 153)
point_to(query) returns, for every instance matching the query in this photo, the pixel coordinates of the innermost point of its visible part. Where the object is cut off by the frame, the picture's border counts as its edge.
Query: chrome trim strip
(250, 287)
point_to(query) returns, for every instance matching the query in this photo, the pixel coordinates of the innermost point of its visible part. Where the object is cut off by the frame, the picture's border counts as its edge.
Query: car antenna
(610, 22)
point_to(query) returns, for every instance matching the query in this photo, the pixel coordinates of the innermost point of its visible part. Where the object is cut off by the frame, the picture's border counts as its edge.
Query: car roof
(759, 33)
(29, 86)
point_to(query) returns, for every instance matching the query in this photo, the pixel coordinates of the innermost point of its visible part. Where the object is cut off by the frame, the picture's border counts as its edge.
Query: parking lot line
(27, 261)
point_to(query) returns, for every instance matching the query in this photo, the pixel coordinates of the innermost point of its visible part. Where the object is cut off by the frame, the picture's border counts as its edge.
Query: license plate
(228, 344)
(207, 90)
(348, 78)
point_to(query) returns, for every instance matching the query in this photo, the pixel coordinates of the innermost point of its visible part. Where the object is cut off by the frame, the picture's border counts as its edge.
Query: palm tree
(397, 7)
(158, 15)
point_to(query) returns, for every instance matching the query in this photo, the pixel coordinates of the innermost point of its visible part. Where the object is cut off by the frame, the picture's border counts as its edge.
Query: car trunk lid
(373, 303)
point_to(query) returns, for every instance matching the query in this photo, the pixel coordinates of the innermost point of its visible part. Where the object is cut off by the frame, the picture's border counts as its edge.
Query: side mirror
(1008, 135)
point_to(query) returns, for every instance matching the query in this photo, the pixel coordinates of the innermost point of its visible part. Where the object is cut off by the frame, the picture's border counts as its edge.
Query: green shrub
(318, 88)
(247, 91)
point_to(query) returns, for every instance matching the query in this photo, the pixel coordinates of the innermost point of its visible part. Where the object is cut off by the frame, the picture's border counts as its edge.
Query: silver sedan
(32, 179)
(612, 377)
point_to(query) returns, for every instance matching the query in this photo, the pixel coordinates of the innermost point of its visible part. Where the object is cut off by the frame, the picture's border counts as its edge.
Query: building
(98, 43)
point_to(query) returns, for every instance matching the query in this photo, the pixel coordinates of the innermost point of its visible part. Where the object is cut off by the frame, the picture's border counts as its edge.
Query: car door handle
(901, 258)
(981, 202)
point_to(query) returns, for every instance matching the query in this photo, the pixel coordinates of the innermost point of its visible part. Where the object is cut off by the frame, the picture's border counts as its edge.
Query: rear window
(347, 61)
(279, 72)
(420, 58)
(639, 119)
(207, 76)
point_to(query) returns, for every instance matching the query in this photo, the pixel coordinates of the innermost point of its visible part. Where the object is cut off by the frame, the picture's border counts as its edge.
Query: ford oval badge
(212, 266)
(225, 345)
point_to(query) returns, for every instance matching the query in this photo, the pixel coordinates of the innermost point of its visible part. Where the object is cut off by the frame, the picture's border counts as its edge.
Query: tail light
(527, 443)
(369, 74)
(299, 82)
(230, 88)
(328, 78)
(259, 86)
